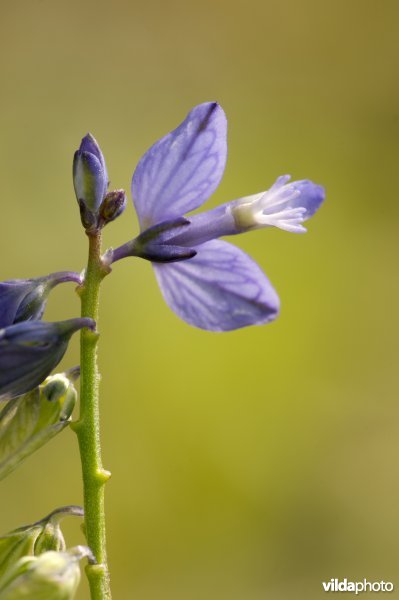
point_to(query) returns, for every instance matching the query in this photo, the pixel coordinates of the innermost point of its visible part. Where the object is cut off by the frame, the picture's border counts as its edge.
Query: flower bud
(112, 206)
(31, 420)
(29, 351)
(54, 575)
(90, 180)
(32, 540)
(25, 299)
(50, 538)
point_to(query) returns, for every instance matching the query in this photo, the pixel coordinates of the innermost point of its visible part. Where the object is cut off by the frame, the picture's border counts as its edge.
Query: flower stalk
(87, 427)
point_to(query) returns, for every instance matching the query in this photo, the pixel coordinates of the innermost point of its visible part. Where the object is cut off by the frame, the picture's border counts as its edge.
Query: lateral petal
(220, 289)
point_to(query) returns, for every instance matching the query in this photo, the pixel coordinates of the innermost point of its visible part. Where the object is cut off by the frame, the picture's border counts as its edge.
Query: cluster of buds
(90, 178)
(34, 561)
(29, 347)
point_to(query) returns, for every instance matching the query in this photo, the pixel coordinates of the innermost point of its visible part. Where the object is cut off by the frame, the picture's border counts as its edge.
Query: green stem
(88, 427)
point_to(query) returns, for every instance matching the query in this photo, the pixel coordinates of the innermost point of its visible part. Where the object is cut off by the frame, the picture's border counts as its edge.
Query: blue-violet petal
(220, 289)
(180, 171)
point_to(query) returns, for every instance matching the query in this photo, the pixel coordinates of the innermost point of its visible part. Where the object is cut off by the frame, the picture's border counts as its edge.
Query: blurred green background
(254, 464)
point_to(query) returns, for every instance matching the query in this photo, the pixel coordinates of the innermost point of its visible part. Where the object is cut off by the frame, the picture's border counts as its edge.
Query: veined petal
(220, 289)
(180, 171)
(285, 205)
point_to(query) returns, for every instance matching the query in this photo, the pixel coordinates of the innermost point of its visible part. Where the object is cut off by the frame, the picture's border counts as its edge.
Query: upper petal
(220, 289)
(180, 171)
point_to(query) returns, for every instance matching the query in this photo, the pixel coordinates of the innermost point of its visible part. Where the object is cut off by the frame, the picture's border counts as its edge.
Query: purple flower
(25, 299)
(209, 283)
(29, 351)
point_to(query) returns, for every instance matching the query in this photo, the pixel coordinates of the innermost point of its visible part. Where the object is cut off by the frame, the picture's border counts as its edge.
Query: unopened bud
(25, 299)
(32, 540)
(50, 538)
(30, 350)
(90, 180)
(54, 575)
(31, 420)
(112, 206)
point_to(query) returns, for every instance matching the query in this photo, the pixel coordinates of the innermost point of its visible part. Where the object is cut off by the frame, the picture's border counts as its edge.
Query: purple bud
(112, 206)
(25, 299)
(29, 351)
(90, 180)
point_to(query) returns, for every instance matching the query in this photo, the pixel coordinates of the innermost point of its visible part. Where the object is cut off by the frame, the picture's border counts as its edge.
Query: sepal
(15, 545)
(156, 243)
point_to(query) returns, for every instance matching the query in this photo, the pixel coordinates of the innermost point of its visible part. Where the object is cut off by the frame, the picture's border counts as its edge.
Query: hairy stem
(88, 427)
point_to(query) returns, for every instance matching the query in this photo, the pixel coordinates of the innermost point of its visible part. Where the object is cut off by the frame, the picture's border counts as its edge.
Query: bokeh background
(254, 464)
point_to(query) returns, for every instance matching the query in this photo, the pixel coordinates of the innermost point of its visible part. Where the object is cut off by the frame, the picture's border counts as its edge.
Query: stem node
(103, 476)
(76, 426)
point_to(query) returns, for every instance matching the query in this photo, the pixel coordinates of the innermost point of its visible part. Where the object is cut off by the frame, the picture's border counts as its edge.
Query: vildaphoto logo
(336, 585)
